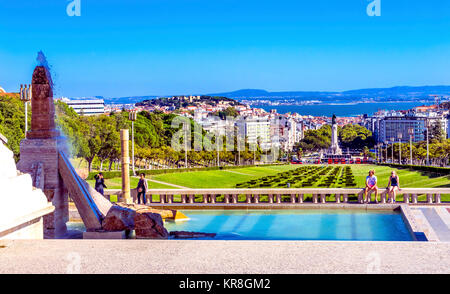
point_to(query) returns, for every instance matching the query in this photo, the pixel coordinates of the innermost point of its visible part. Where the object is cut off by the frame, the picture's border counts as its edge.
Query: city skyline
(158, 48)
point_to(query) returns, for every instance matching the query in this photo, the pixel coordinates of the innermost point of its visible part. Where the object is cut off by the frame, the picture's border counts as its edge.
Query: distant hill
(400, 92)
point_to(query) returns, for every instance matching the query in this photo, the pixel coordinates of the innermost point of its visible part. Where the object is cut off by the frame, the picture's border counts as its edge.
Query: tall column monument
(39, 153)
(334, 148)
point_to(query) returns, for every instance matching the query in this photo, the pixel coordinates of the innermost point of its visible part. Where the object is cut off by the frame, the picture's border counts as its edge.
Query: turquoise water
(299, 224)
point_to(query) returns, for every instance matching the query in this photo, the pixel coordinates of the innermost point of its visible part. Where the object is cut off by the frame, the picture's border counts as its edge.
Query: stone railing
(318, 195)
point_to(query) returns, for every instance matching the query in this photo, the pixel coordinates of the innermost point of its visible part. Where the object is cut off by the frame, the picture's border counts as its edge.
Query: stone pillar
(125, 159)
(406, 198)
(42, 145)
(345, 198)
(437, 198)
(293, 198)
(338, 198)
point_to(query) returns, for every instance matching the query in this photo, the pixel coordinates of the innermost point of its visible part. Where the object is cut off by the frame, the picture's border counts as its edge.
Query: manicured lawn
(220, 178)
(319, 174)
(116, 183)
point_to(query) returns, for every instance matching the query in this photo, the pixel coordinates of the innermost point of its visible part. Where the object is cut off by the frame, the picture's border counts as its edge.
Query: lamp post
(427, 125)
(132, 117)
(25, 97)
(185, 145)
(399, 136)
(393, 141)
(386, 158)
(411, 134)
(380, 152)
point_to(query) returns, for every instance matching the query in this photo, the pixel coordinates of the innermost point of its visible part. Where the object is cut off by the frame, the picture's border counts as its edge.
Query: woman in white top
(371, 185)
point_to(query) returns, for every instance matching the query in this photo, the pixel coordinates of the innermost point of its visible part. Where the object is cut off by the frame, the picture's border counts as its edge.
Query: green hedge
(434, 169)
(116, 174)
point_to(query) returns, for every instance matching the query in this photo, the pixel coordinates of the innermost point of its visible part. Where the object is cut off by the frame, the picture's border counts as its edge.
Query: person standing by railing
(99, 183)
(142, 188)
(393, 186)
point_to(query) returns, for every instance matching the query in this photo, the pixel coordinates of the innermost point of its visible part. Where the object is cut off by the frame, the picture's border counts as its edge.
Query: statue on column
(334, 148)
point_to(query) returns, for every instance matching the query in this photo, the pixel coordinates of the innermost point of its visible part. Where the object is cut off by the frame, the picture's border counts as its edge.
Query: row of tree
(97, 139)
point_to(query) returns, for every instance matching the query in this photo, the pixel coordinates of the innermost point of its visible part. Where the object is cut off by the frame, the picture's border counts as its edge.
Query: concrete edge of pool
(417, 230)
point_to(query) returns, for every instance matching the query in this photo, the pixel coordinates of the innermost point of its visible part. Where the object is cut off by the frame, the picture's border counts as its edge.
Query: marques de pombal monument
(334, 148)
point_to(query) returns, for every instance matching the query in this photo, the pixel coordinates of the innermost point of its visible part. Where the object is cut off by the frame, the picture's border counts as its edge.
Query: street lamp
(399, 136)
(132, 117)
(380, 152)
(25, 97)
(411, 134)
(386, 158)
(393, 141)
(427, 125)
(185, 128)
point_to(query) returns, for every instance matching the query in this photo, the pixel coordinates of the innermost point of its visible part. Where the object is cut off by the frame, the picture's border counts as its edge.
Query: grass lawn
(220, 178)
(116, 183)
(229, 178)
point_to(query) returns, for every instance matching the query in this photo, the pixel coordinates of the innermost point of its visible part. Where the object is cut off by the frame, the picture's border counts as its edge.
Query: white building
(257, 130)
(86, 106)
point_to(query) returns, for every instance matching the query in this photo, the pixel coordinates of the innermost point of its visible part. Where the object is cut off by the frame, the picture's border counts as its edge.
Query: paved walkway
(228, 257)
(164, 183)
(235, 172)
(167, 184)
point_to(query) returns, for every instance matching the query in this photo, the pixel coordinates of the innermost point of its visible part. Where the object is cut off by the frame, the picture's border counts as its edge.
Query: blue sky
(161, 47)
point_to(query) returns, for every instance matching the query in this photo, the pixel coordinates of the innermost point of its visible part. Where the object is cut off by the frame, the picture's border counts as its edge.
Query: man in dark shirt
(99, 183)
(142, 188)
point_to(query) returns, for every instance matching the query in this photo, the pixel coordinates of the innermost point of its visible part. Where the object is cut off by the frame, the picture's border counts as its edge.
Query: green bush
(434, 169)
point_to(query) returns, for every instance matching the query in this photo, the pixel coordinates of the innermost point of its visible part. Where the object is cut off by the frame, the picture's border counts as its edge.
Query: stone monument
(334, 148)
(40, 149)
(22, 205)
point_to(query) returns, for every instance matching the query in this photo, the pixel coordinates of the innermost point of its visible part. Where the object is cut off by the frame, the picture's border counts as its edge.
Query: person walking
(371, 185)
(393, 186)
(99, 183)
(142, 188)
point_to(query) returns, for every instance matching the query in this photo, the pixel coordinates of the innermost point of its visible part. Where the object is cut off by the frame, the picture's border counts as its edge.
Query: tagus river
(347, 109)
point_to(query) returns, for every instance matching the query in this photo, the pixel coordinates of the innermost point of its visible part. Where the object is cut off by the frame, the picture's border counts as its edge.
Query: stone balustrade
(315, 195)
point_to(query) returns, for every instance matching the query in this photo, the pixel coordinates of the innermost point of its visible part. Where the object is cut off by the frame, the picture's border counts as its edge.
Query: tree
(12, 122)
(94, 142)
